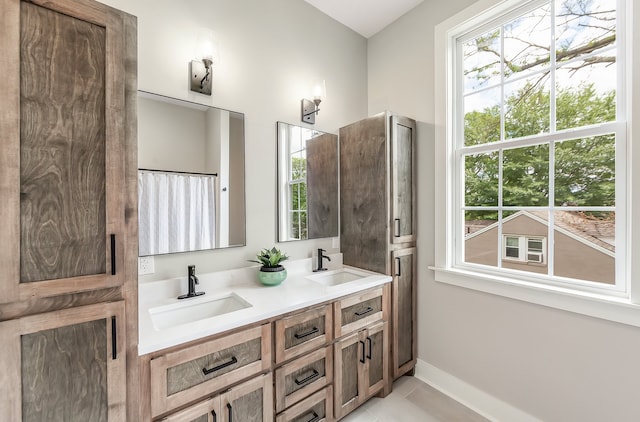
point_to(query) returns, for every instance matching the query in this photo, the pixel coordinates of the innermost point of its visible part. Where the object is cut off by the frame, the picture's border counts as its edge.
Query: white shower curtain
(176, 212)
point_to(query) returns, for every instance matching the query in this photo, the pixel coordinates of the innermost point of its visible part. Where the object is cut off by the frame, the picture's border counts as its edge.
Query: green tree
(584, 168)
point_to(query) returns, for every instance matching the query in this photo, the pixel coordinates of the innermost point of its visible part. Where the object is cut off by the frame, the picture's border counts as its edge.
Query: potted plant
(271, 272)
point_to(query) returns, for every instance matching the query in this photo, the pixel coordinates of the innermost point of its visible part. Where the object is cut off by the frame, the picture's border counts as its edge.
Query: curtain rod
(180, 172)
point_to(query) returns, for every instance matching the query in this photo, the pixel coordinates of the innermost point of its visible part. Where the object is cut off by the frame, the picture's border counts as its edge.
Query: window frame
(523, 248)
(620, 306)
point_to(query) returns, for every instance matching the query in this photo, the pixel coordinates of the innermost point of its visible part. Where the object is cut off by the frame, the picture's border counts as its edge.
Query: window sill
(619, 310)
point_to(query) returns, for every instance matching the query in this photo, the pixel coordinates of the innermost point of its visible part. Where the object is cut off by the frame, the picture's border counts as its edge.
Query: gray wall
(271, 52)
(552, 364)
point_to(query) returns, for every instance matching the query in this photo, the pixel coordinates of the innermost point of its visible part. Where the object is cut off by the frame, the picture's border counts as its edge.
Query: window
(524, 249)
(536, 135)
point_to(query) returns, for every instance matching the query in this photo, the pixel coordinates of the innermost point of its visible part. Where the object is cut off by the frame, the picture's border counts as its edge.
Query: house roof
(595, 231)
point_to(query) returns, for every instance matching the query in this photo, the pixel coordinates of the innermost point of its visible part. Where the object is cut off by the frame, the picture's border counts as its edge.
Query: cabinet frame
(341, 330)
(394, 122)
(282, 353)
(400, 369)
(11, 289)
(283, 401)
(298, 409)
(364, 390)
(162, 403)
(265, 382)
(10, 337)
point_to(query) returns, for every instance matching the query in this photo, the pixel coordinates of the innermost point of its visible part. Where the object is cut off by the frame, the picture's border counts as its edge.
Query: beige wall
(552, 364)
(271, 52)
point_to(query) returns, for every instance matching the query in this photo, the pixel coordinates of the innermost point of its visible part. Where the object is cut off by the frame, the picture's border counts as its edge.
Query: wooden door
(403, 179)
(206, 411)
(251, 401)
(404, 293)
(364, 194)
(66, 365)
(62, 159)
(349, 360)
(376, 358)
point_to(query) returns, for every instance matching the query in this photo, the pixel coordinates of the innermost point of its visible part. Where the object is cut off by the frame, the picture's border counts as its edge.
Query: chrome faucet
(192, 280)
(320, 257)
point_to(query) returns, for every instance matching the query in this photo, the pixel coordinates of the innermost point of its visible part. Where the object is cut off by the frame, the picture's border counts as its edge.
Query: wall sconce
(201, 69)
(309, 107)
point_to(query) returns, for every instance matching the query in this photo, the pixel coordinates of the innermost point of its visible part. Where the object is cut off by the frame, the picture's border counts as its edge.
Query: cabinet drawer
(303, 332)
(186, 375)
(298, 379)
(316, 408)
(357, 311)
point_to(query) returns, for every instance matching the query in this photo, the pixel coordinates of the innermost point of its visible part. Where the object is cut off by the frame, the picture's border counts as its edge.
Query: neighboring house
(584, 246)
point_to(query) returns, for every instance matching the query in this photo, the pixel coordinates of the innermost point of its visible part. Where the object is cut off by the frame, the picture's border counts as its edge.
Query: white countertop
(296, 292)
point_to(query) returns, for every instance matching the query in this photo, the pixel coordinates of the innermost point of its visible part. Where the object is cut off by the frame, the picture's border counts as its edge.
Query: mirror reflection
(191, 176)
(307, 183)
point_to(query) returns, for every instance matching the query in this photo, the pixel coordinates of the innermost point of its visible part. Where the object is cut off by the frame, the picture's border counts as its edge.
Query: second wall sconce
(311, 107)
(201, 70)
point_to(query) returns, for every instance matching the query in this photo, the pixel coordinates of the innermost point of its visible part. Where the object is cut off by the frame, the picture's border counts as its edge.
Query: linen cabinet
(378, 218)
(68, 260)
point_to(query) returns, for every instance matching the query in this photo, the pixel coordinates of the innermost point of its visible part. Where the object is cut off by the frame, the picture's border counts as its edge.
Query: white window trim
(619, 309)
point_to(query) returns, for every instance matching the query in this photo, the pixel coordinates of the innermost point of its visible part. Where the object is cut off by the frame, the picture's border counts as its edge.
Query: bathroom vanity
(315, 347)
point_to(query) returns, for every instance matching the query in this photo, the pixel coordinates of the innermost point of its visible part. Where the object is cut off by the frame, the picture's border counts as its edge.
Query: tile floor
(413, 401)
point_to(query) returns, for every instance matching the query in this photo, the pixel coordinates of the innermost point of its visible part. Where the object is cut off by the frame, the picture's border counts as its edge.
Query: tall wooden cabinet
(68, 207)
(378, 218)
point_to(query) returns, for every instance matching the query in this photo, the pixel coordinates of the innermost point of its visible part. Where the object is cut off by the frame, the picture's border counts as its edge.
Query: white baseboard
(477, 400)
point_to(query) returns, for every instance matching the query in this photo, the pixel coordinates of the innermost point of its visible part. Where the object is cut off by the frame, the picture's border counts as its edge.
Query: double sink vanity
(312, 348)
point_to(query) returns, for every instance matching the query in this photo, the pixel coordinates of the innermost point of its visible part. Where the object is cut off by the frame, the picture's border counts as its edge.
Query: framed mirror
(191, 176)
(307, 183)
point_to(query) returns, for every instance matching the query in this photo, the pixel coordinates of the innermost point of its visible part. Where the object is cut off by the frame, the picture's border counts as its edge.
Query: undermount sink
(191, 310)
(338, 277)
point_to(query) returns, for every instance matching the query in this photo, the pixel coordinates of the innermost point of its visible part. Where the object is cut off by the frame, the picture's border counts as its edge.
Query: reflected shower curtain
(176, 212)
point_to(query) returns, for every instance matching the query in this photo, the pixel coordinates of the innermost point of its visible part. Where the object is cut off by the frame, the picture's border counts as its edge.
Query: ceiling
(366, 17)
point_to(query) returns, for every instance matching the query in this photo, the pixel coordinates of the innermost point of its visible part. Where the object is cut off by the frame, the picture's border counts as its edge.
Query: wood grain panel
(65, 361)
(322, 186)
(405, 295)
(364, 194)
(349, 369)
(251, 401)
(303, 324)
(360, 310)
(188, 374)
(403, 183)
(62, 155)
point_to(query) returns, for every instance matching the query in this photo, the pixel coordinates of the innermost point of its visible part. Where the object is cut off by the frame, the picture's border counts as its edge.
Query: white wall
(270, 54)
(551, 364)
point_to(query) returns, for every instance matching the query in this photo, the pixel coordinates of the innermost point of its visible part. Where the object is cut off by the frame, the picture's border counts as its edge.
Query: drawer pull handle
(369, 352)
(215, 417)
(222, 365)
(304, 380)
(362, 344)
(230, 409)
(306, 334)
(398, 271)
(314, 417)
(396, 227)
(364, 311)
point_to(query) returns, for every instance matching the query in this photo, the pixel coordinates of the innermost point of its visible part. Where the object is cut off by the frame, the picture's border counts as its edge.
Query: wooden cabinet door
(403, 179)
(206, 411)
(251, 401)
(376, 358)
(66, 365)
(404, 294)
(63, 118)
(349, 356)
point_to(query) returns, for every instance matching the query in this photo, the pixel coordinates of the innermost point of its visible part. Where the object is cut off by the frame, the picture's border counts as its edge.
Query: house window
(537, 135)
(524, 249)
